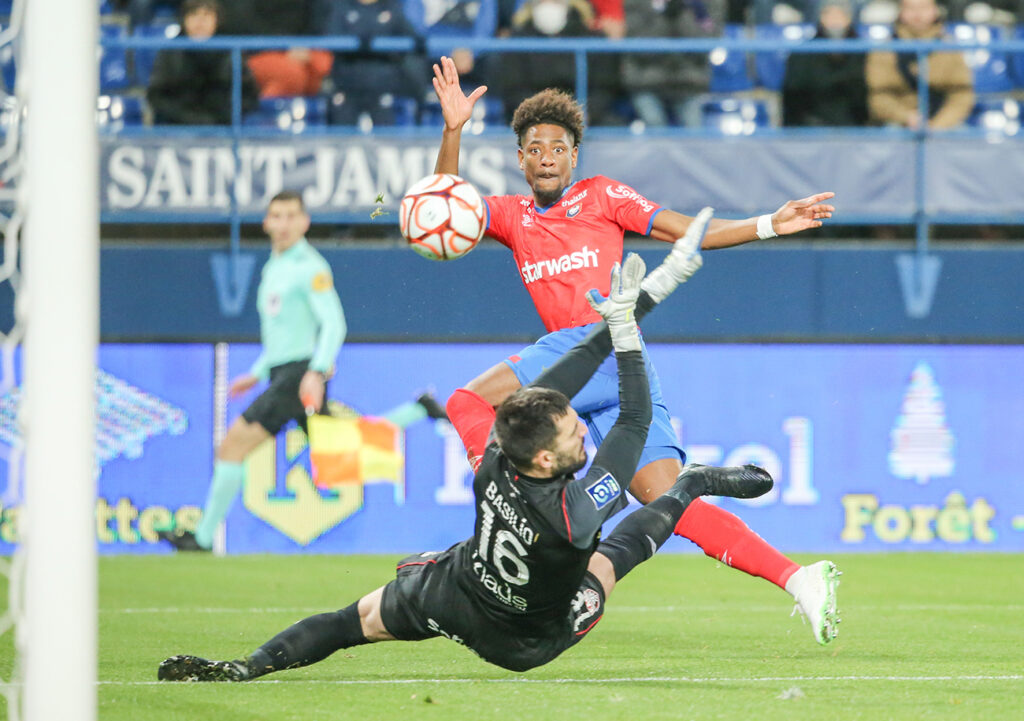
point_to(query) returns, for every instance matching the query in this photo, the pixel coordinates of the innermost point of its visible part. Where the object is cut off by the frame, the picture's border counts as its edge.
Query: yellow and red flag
(355, 449)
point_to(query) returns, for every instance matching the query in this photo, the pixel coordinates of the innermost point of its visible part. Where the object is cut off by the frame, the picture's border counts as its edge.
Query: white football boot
(814, 589)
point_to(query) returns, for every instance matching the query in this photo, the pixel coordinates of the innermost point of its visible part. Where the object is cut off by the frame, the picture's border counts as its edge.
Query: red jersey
(566, 249)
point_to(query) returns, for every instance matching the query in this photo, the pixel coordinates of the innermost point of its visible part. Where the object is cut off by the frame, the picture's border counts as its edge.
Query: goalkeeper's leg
(301, 644)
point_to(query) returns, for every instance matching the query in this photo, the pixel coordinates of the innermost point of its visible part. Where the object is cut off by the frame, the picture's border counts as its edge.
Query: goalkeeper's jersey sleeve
(300, 312)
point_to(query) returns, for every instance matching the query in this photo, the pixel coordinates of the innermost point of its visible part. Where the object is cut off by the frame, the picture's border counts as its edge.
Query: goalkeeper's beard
(567, 465)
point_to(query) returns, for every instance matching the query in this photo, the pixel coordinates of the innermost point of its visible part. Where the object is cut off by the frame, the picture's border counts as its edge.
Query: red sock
(723, 536)
(472, 418)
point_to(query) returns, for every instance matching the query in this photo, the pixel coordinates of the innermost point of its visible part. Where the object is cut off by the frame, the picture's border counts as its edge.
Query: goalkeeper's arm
(576, 367)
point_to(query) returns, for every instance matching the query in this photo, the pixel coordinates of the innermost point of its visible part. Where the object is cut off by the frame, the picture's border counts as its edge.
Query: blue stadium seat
(1017, 59)
(291, 113)
(736, 116)
(5, 7)
(480, 19)
(874, 31)
(430, 115)
(406, 111)
(114, 112)
(771, 66)
(991, 69)
(728, 67)
(388, 111)
(8, 114)
(998, 115)
(163, 27)
(488, 111)
(113, 61)
(7, 69)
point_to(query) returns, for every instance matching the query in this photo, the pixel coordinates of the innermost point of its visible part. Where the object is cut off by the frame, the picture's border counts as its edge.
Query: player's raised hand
(618, 308)
(682, 261)
(456, 106)
(797, 215)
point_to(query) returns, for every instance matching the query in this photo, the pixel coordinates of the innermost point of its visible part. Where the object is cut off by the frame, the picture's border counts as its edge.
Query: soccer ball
(442, 217)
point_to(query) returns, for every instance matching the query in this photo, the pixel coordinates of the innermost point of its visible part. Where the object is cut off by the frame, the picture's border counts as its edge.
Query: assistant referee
(302, 327)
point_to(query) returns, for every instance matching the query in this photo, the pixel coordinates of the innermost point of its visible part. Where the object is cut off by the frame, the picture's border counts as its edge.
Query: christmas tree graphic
(922, 444)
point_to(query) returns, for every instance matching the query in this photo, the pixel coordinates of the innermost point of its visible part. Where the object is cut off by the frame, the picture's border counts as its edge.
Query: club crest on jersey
(574, 210)
(603, 491)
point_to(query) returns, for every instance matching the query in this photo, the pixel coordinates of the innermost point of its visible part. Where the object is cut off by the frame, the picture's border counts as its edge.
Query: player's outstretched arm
(683, 261)
(793, 217)
(457, 108)
(797, 215)
(591, 500)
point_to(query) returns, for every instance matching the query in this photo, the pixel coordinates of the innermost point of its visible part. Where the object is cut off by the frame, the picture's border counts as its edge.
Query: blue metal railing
(581, 49)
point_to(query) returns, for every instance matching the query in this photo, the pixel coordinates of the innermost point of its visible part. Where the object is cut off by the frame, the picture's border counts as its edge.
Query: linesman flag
(355, 449)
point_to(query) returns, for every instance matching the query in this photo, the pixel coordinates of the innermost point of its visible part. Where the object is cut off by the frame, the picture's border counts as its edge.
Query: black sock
(308, 641)
(641, 533)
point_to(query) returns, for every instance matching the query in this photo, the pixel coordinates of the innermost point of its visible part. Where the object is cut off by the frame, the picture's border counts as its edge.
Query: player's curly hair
(525, 423)
(549, 106)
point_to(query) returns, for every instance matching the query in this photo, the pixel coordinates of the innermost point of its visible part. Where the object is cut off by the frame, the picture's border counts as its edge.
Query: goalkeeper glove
(683, 261)
(618, 308)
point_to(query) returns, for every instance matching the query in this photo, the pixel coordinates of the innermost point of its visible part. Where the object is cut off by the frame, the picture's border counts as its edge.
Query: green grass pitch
(924, 636)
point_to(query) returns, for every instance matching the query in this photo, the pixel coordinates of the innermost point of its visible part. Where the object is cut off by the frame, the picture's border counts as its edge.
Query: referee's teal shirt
(300, 312)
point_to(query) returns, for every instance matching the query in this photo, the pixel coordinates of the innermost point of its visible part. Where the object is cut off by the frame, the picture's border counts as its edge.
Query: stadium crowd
(370, 87)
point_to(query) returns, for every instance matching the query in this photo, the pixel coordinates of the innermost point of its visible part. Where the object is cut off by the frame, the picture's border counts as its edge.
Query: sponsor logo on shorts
(603, 491)
(433, 626)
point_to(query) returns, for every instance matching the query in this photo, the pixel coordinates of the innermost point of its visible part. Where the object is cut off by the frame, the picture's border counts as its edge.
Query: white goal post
(57, 639)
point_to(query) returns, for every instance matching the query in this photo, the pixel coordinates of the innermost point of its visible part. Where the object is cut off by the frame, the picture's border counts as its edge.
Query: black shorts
(426, 600)
(280, 403)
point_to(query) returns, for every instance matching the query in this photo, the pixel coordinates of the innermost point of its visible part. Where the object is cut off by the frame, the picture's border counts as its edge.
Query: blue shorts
(598, 401)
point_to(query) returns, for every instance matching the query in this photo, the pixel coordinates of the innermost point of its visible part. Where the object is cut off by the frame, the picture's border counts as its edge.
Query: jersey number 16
(507, 549)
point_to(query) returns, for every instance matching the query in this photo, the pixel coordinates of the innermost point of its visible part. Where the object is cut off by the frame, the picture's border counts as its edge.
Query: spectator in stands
(662, 83)
(193, 87)
(459, 18)
(367, 82)
(782, 12)
(142, 12)
(284, 72)
(986, 12)
(610, 18)
(827, 89)
(892, 78)
(521, 75)
(454, 19)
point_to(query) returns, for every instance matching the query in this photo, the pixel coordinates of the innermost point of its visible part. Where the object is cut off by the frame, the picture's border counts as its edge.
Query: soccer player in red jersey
(565, 238)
